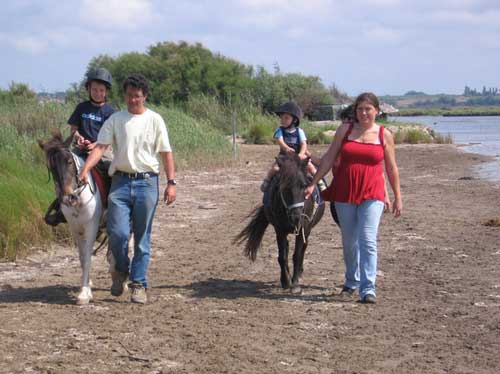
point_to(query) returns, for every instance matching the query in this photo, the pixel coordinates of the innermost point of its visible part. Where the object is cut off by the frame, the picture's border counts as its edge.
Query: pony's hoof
(83, 301)
(296, 290)
(285, 286)
(84, 297)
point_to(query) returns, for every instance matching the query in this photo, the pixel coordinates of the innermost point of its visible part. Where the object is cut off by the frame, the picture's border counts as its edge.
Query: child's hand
(290, 150)
(308, 191)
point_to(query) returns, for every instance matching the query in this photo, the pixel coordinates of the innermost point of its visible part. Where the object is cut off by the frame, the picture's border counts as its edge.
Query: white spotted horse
(81, 204)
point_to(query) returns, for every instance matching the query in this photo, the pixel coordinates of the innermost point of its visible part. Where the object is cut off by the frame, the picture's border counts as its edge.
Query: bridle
(80, 185)
(299, 229)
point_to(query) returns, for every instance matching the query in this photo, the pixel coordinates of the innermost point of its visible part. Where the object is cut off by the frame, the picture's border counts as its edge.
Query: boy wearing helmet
(89, 116)
(291, 139)
(86, 121)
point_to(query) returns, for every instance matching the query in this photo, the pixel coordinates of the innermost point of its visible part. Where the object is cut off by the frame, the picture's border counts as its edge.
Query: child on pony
(86, 121)
(291, 139)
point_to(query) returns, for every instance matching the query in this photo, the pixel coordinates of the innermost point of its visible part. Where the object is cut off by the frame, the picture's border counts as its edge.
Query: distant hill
(413, 99)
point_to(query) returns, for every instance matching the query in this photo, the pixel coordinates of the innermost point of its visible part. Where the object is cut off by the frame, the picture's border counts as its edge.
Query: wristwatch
(172, 182)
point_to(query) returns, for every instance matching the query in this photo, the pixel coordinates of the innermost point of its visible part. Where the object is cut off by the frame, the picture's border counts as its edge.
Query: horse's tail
(253, 233)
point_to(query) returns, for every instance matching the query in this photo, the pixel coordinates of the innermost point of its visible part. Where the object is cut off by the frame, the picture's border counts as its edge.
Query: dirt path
(212, 311)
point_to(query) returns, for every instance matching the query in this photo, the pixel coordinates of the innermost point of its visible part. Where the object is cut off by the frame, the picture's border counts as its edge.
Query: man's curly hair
(137, 81)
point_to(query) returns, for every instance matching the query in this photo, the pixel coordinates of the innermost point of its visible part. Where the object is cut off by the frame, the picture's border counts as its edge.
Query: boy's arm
(303, 150)
(283, 145)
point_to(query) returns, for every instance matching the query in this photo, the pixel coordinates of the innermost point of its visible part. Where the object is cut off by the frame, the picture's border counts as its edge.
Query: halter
(80, 185)
(298, 230)
(291, 206)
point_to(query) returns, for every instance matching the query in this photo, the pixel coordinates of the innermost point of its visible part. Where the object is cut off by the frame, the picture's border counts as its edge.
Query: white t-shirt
(137, 140)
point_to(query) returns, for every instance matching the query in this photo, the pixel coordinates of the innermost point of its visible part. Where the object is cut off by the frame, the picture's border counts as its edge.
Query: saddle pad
(99, 182)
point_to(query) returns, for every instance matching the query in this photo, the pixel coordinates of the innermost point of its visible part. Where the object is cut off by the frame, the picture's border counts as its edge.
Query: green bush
(26, 192)
(260, 133)
(24, 180)
(319, 138)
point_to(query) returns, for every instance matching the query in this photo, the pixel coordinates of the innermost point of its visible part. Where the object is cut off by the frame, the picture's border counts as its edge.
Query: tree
(21, 91)
(178, 71)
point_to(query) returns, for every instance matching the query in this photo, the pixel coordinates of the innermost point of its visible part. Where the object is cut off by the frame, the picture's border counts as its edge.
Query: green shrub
(319, 138)
(195, 143)
(24, 182)
(26, 192)
(260, 133)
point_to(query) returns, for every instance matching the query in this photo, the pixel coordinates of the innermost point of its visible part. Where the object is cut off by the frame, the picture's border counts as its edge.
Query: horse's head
(61, 164)
(292, 183)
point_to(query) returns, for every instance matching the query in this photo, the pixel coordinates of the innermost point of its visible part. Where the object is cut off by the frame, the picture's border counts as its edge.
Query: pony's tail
(253, 233)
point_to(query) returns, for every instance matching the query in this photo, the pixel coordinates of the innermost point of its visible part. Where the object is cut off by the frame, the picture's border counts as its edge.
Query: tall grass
(195, 143)
(25, 192)
(413, 133)
(25, 189)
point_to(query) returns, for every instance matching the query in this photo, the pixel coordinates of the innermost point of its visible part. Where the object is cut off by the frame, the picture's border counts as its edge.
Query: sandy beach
(213, 311)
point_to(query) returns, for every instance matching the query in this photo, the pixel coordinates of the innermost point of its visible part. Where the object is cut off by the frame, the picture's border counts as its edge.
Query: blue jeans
(132, 202)
(359, 226)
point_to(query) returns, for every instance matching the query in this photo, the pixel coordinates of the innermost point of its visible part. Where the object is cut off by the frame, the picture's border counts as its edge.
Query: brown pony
(289, 213)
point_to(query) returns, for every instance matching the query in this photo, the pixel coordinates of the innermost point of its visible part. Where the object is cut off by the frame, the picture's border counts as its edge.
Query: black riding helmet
(100, 75)
(290, 108)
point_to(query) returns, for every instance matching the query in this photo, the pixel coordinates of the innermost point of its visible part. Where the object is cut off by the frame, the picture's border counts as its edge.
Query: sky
(385, 46)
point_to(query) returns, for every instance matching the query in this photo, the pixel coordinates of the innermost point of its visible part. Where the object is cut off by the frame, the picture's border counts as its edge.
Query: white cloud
(273, 14)
(116, 14)
(383, 35)
(30, 44)
(468, 18)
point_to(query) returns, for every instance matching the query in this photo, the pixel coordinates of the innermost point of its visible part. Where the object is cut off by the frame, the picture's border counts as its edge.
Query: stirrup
(322, 185)
(54, 216)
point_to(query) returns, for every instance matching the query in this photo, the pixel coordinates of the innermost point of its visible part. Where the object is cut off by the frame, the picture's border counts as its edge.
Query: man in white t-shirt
(140, 143)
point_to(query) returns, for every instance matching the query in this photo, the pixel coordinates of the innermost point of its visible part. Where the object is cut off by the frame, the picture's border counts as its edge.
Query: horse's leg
(85, 241)
(298, 263)
(282, 241)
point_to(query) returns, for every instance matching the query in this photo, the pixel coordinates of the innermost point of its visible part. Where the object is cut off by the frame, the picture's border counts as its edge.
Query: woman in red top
(364, 147)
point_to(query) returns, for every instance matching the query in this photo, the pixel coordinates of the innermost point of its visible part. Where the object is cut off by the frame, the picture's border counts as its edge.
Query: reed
(26, 189)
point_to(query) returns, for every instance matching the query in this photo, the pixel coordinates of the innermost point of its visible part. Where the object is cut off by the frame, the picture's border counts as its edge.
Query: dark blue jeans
(132, 202)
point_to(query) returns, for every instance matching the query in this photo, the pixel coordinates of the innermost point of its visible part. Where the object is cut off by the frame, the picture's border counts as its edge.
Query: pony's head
(62, 166)
(292, 181)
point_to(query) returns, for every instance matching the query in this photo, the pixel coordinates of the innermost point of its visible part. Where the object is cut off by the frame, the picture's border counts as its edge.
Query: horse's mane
(290, 167)
(53, 147)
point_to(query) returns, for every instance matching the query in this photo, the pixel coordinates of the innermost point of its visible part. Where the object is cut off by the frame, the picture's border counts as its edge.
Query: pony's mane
(53, 147)
(290, 167)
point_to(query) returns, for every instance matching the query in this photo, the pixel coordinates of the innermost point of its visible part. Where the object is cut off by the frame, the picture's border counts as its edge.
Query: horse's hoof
(296, 290)
(84, 297)
(83, 301)
(285, 286)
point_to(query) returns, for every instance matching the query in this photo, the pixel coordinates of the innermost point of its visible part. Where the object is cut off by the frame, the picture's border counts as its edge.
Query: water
(479, 135)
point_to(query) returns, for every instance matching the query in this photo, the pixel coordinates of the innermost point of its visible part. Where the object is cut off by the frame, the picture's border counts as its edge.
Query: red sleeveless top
(359, 176)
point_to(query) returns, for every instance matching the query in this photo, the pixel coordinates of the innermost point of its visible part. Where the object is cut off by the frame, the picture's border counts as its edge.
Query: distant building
(386, 110)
